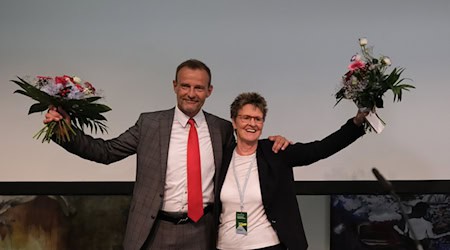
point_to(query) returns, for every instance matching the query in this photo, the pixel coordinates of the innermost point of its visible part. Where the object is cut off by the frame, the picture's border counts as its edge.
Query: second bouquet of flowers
(366, 82)
(76, 97)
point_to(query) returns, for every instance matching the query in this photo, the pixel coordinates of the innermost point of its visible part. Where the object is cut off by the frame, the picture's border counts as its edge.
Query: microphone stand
(387, 186)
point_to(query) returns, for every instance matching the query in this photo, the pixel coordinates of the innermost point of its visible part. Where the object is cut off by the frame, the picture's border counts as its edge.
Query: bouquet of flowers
(366, 82)
(76, 97)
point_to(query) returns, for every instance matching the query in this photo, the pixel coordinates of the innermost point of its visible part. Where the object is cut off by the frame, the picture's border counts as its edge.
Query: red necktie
(194, 175)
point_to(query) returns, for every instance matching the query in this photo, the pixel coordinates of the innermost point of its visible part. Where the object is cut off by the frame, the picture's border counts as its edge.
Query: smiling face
(248, 124)
(192, 88)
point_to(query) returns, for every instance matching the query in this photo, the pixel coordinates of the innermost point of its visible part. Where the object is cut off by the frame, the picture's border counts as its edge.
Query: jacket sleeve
(301, 154)
(105, 151)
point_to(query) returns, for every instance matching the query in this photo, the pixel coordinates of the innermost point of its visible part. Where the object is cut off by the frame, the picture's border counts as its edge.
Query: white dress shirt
(175, 188)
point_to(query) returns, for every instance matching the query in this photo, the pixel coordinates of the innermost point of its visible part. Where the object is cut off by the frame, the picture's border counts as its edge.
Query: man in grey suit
(157, 218)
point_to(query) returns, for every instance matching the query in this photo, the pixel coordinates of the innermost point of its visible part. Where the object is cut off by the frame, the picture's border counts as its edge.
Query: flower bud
(76, 80)
(386, 61)
(356, 57)
(354, 80)
(363, 41)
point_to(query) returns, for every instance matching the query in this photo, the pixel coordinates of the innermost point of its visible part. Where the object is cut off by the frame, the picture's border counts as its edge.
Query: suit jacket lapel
(216, 140)
(165, 128)
(268, 177)
(227, 156)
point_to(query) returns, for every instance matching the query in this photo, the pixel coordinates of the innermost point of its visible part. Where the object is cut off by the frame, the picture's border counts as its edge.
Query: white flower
(87, 91)
(386, 61)
(354, 80)
(363, 41)
(77, 80)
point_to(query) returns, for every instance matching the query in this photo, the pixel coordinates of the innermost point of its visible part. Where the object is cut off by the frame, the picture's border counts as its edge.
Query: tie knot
(191, 121)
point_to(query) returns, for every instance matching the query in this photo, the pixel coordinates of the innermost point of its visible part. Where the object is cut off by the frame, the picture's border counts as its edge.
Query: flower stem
(61, 130)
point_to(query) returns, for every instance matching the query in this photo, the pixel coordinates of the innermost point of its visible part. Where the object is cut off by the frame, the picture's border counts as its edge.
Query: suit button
(153, 217)
(274, 221)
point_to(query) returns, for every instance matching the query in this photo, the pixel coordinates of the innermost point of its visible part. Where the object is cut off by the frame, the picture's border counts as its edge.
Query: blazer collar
(165, 128)
(268, 176)
(182, 118)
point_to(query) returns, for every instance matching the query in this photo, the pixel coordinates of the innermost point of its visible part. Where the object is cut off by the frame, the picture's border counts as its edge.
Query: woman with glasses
(256, 205)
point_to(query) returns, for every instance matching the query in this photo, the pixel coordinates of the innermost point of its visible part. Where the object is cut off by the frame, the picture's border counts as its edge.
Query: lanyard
(242, 192)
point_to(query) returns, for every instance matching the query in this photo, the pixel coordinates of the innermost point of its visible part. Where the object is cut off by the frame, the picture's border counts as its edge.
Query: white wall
(292, 52)
(315, 212)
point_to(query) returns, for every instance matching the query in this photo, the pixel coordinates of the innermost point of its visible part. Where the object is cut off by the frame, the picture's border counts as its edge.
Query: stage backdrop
(292, 52)
(371, 222)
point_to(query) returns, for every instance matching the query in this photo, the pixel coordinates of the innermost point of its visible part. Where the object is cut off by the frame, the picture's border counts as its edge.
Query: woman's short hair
(243, 99)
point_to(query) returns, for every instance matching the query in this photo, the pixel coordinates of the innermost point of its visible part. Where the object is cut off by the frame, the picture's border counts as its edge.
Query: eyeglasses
(248, 119)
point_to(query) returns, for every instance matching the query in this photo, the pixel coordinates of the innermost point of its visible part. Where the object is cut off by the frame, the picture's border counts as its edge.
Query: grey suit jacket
(149, 138)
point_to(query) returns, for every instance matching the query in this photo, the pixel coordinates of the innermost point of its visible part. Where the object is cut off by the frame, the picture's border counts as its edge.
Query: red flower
(348, 75)
(79, 87)
(356, 65)
(61, 80)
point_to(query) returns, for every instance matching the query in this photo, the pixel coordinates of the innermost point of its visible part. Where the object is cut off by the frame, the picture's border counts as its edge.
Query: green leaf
(38, 107)
(379, 103)
(33, 92)
(19, 91)
(93, 99)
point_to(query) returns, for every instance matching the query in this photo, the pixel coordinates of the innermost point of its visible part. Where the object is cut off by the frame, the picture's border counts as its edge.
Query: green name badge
(241, 223)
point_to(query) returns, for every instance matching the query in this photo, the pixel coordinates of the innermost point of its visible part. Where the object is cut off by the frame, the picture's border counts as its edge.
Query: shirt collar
(183, 119)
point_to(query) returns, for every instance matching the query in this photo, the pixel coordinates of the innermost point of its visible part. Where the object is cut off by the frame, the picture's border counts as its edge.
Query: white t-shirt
(260, 232)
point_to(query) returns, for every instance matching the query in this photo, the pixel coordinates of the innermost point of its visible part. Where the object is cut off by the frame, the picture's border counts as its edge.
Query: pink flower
(356, 65)
(356, 57)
